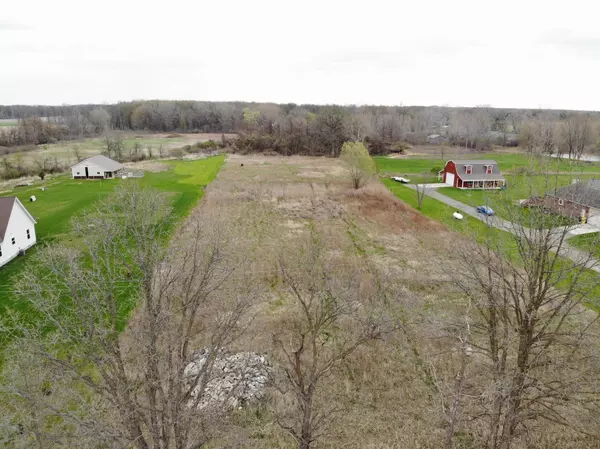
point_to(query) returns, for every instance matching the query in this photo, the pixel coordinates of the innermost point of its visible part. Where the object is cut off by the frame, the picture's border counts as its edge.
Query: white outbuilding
(96, 167)
(17, 229)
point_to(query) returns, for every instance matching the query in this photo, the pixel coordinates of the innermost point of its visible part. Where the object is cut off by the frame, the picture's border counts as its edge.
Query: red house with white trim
(473, 174)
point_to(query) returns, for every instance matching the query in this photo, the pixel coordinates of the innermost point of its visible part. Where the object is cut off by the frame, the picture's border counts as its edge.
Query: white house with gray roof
(96, 167)
(473, 174)
(17, 229)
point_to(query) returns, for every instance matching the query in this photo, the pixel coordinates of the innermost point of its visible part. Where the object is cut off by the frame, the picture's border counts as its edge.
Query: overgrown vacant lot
(392, 392)
(278, 200)
(65, 199)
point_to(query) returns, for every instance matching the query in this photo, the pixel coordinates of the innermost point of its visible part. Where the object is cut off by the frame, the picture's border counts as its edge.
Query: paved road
(567, 250)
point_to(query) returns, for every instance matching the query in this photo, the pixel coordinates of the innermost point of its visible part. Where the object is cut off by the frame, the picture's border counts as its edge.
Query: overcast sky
(512, 53)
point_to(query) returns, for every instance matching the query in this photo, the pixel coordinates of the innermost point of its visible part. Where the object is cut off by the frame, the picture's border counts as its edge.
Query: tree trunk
(306, 432)
(458, 385)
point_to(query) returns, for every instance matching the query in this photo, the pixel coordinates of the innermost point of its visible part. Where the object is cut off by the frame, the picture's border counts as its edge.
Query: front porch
(482, 184)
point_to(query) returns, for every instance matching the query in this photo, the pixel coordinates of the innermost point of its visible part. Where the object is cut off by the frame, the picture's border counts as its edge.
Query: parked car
(401, 179)
(485, 210)
(457, 215)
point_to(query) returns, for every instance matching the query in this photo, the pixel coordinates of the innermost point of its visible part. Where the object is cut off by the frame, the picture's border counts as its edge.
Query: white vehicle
(457, 215)
(401, 179)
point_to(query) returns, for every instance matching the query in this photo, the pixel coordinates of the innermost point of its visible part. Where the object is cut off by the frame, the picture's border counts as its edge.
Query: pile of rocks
(234, 380)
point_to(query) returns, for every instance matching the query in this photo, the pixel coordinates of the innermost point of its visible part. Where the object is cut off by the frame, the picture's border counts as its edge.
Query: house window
(561, 202)
(77, 172)
(468, 169)
(28, 235)
(98, 172)
(488, 169)
(13, 240)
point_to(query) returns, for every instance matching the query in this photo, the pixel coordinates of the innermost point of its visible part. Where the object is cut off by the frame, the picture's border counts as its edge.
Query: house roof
(101, 161)
(478, 172)
(7, 204)
(586, 193)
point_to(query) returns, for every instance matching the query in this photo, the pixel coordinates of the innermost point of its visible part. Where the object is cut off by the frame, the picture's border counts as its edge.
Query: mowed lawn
(587, 241)
(507, 162)
(66, 198)
(480, 232)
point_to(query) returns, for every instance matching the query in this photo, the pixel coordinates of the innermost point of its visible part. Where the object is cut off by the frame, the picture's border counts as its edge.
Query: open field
(65, 198)
(8, 122)
(64, 150)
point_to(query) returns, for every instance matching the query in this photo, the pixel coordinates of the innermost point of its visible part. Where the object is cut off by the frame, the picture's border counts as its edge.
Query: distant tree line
(308, 129)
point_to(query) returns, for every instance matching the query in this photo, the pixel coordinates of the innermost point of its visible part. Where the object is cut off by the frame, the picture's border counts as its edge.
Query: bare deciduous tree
(576, 134)
(421, 189)
(131, 388)
(532, 334)
(336, 309)
(100, 119)
(114, 146)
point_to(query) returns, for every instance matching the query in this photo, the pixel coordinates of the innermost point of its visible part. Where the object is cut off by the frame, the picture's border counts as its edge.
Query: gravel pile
(235, 379)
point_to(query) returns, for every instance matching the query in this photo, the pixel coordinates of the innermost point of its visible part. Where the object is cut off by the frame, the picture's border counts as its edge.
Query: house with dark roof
(473, 174)
(581, 200)
(17, 229)
(96, 167)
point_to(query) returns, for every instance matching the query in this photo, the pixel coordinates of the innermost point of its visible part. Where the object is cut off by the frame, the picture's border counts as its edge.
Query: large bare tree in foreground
(336, 309)
(532, 359)
(81, 378)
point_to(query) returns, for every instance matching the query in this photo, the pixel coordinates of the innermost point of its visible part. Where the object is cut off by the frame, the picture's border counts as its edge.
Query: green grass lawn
(478, 230)
(519, 187)
(433, 208)
(65, 198)
(587, 241)
(507, 163)
(8, 122)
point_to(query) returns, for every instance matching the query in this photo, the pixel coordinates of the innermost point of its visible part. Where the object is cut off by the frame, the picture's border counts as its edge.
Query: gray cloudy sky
(513, 53)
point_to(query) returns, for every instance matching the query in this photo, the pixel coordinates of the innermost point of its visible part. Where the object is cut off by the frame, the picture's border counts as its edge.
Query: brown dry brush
(336, 308)
(533, 364)
(115, 388)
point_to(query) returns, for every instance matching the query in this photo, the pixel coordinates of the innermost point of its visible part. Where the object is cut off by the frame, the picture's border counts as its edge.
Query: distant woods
(312, 129)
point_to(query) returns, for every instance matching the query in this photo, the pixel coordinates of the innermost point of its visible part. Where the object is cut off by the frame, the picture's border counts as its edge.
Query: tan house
(578, 200)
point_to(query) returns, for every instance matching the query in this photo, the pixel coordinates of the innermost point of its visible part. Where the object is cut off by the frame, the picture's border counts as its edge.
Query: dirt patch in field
(379, 205)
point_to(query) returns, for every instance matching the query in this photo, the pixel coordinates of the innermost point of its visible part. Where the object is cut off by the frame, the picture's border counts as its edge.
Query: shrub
(177, 152)
(401, 147)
